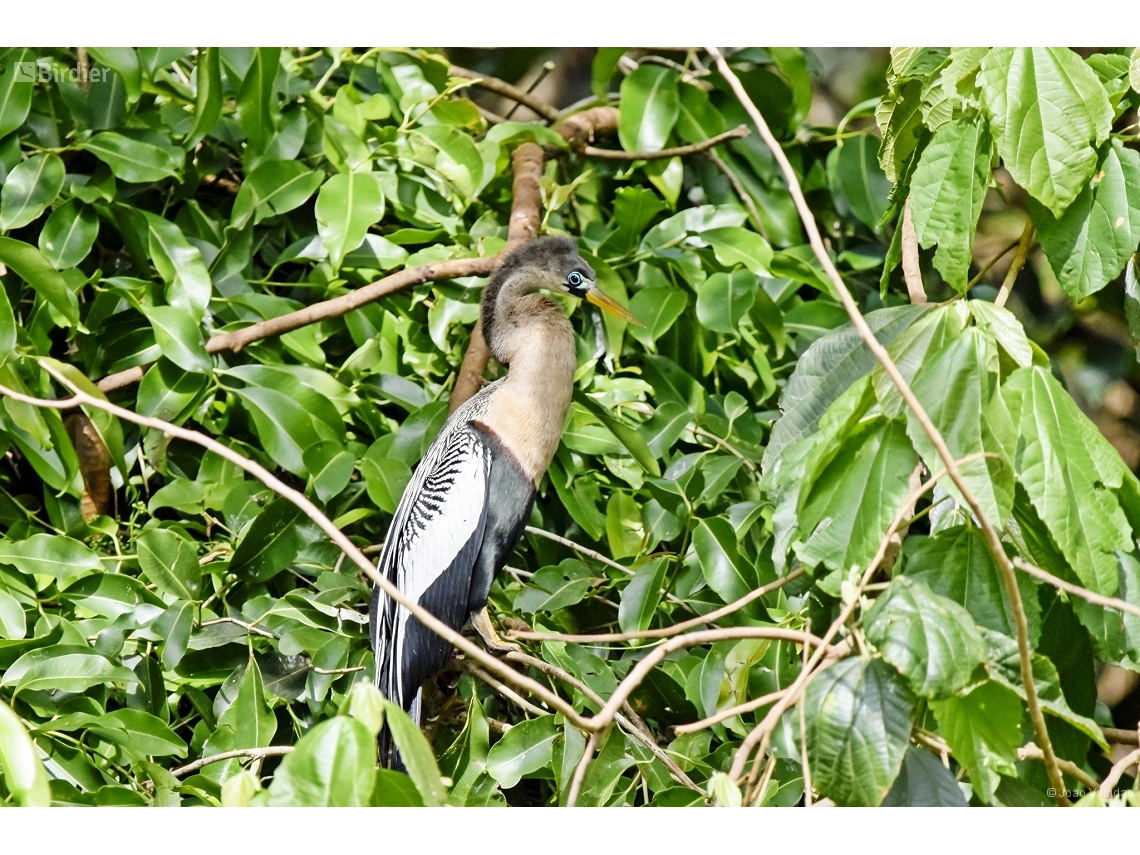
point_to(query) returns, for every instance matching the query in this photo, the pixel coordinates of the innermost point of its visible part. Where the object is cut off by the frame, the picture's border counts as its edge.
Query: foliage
(181, 610)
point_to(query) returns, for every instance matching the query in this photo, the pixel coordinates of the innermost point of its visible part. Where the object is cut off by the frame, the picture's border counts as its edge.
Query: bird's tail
(389, 753)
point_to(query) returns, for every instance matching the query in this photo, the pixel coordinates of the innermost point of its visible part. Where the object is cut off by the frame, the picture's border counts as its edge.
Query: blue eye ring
(574, 279)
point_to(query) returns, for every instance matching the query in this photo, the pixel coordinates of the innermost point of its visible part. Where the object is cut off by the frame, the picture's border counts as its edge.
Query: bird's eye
(575, 278)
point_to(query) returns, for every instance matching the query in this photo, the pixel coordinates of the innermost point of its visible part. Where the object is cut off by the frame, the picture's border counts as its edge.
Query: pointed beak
(609, 304)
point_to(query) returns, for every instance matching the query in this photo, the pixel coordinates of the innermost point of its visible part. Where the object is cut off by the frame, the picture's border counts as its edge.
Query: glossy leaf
(69, 234)
(134, 160)
(29, 189)
(523, 750)
(346, 206)
(649, 108)
(170, 562)
(333, 765)
(24, 775)
(983, 729)
(417, 756)
(31, 266)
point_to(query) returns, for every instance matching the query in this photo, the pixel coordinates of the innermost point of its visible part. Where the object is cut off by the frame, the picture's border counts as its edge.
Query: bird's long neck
(528, 411)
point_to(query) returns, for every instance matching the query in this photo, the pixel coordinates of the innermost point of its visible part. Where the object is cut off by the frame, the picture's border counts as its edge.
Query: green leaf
(139, 732)
(924, 782)
(13, 624)
(270, 544)
(255, 102)
(657, 308)
(385, 480)
(168, 392)
(523, 750)
(180, 338)
(64, 667)
(734, 246)
(180, 265)
(725, 570)
(603, 68)
(248, 722)
(346, 206)
(457, 159)
(51, 556)
(956, 563)
(29, 189)
(15, 90)
(947, 190)
(1091, 242)
(858, 728)
(333, 765)
(125, 63)
(854, 496)
(274, 187)
(331, 467)
(133, 160)
(554, 588)
(69, 234)
(170, 561)
(932, 640)
(957, 390)
(23, 773)
(623, 525)
(649, 108)
(626, 435)
(417, 756)
(983, 729)
(30, 265)
(1069, 472)
(7, 327)
(641, 596)
(724, 298)
(829, 367)
(289, 424)
(1048, 111)
(207, 99)
(857, 180)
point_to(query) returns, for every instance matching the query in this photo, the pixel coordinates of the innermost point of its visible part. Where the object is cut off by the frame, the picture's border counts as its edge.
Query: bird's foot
(481, 623)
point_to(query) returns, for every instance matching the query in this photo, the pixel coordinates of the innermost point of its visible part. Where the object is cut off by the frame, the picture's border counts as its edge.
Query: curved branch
(679, 151)
(1076, 590)
(993, 540)
(507, 90)
(1117, 771)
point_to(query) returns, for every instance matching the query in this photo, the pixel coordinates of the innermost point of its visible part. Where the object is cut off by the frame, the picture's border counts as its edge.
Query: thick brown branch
(507, 90)
(1121, 736)
(581, 129)
(993, 540)
(679, 151)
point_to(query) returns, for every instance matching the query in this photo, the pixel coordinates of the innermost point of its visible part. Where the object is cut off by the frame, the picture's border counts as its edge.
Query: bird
(470, 498)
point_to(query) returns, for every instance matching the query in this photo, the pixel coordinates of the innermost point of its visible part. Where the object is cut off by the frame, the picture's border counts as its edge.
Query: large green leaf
(170, 561)
(725, 570)
(16, 89)
(957, 389)
(69, 234)
(23, 773)
(180, 265)
(724, 298)
(208, 98)
(179, 337)
(346, 206)
(932, 640)
(271, 543)
(924, 782)
(247, 722)
(983, 729)
(255, 101)
(1070, 473)
(1091, 242)
(288, 424)
(857, 179)
(417, 756)
(829, 367)
(31, 266)
(858, 727)
(333, 765)
(853, 498)
(51, 556)
(649, 108)
(134, 160)
(274, 187)
(947, 190)
(29, 189)
(641, 596)
(64, 667)
(522, 751)
(1049, 111)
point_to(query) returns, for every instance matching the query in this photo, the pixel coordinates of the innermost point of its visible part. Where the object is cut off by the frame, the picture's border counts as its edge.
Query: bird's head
(553, 264)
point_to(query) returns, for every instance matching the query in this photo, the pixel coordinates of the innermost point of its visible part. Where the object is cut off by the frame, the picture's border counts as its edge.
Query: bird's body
(465, 508)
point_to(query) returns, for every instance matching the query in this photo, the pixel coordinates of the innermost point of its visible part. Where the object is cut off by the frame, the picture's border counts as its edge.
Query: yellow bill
(609, 304)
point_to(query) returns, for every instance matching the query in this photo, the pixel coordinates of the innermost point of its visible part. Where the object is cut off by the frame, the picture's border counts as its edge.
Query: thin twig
(547, 67)
(1117, 771)
(993, 540)
(506, 691)
(991, 263)
(1076, 590)
(804, 764)
(740, 190)
(582, 550)
(678, 151)
(664, 632)
(507, 90)
(1023, 244)
(352, 670)
(580, 771)
(912, 270)
(722, 715)
(1029, 751)
(699, 431)
(254, 753)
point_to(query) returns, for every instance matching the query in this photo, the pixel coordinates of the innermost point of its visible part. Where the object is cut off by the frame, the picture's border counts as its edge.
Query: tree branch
(679, 151)
(1117, 772)
(580, 771)
(507, 90)
(1023, 244)
(912, 270)
(1032, 752)
(993, 541)
(581, 129)
(1076, 590)
(253, 753)
(741, 191)
(664, 632)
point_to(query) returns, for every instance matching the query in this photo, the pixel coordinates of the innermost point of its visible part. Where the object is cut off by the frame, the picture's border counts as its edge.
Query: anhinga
(469, 500)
